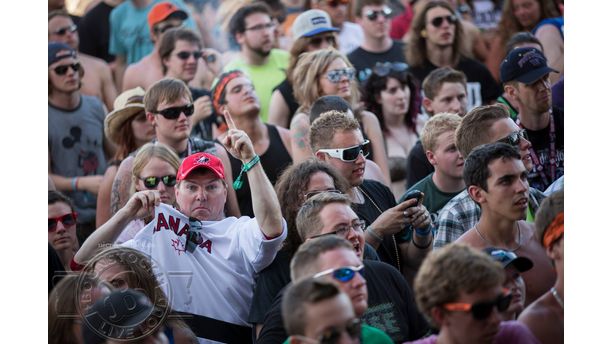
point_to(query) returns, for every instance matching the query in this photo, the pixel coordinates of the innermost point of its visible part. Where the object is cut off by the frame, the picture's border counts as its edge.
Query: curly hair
(375, 84)
(290, 189)
(323, 128)
(453, 269)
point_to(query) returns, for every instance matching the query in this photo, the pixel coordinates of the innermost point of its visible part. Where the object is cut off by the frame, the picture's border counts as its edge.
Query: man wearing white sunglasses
(337, 139)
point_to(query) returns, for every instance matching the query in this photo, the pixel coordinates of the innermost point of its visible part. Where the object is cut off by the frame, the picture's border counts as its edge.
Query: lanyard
(552, 153)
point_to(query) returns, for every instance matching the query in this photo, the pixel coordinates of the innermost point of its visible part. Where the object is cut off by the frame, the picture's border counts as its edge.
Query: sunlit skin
(342, 88)
(356, 287)
(261, 41)
(353, 171)
(173, 130)
(157, 167)
(337, 215)
(202, 195)
(504, 127)
(452, 98)
(446, 157)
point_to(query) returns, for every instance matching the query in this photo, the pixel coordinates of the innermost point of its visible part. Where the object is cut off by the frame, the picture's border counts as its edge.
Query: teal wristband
(245, 168)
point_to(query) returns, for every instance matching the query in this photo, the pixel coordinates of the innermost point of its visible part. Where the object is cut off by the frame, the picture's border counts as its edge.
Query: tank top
(274, 160)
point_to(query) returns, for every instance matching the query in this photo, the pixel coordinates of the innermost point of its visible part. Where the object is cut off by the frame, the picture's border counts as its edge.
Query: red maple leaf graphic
(178, 246)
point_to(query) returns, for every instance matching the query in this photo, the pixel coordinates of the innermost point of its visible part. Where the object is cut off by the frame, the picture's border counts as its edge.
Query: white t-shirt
(350, 37)
(216, 279)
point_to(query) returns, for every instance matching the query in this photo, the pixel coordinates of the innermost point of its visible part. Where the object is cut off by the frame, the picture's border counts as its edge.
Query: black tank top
(274, 160)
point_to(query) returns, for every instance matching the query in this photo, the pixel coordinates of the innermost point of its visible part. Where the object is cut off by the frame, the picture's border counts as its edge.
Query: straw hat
(127, 105)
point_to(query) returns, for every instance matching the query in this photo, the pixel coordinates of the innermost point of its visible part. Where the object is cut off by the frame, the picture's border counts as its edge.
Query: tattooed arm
(120, 191)
(300, 143)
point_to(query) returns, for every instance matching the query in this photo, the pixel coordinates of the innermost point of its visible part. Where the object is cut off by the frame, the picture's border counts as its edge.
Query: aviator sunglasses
(482, 310)
(175, 112)
(62, 70)
(437, 21)
(349, 154)
(343, 274)
(514, 139)
(68, 220)
(152, 182)
(373, 15)
(335, 76)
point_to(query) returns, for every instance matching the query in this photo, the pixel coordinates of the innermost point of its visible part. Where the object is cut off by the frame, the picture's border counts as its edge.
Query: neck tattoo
(518, 228)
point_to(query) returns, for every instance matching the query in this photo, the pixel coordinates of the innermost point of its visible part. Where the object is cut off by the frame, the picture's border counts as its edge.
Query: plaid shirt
(461, 213)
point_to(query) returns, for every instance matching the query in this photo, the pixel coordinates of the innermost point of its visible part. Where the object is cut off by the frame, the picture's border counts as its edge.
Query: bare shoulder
(299, 120)
(471, 238)
(537, 313)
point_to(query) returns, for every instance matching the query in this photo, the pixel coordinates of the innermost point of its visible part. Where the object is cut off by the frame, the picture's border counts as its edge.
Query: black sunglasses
(184, 55)
(61, 70)
(316, 41)
(68, 29)
(373, 15)
(68, 220)
(175, 112)
(514, 139)
(437, 21)
(152, 182)
(482, 310)
(383, 69)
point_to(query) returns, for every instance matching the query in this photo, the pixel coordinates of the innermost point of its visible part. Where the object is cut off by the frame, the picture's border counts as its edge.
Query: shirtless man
(148, 70)
(97, 80)
(496, 179)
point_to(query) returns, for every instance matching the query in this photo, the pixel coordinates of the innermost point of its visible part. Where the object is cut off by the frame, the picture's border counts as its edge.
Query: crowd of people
(306, 171)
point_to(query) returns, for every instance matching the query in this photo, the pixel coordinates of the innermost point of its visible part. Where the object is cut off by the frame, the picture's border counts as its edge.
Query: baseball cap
(526, 65)
(162, 11)
(507, 258)
(310, 23)
(200, 160)
(119, 315)
(58, 51)
(127, 105)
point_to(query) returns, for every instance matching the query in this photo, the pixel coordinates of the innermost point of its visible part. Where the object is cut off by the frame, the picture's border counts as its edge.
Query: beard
(261, 52)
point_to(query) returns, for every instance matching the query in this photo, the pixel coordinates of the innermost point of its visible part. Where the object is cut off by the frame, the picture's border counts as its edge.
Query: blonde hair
(436, 126)
(146, 153)
(305, 78)
(323, 128)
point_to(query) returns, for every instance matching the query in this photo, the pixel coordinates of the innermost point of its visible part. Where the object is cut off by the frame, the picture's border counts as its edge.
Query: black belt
(217, 330)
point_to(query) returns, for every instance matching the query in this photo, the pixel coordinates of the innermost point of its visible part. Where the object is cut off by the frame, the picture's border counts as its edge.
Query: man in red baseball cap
(162, 17)
(221, 255)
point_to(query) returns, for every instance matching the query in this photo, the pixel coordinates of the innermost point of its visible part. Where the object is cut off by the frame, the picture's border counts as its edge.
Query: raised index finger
(229, 120)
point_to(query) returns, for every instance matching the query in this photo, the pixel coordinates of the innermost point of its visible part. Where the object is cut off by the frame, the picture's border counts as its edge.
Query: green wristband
(245, 168)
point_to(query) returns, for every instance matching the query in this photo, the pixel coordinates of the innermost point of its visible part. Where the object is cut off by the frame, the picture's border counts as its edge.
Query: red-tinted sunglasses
(68, 220)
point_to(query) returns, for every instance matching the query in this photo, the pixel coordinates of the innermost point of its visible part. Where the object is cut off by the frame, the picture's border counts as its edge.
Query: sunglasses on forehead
(482, 310)
(336, 75)
(162, 29)
(64, 30)
(514, 139)
(437, 21)
(152, 182)
(349, 154)
(343, 274)
(67, 220)
(175, 112)
(383, 69)
(62, 70)
(373, 15)
(184, 55)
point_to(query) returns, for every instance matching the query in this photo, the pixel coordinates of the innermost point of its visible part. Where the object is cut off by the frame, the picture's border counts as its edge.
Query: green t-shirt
(265, 77)
(369, 335)
(434, 198)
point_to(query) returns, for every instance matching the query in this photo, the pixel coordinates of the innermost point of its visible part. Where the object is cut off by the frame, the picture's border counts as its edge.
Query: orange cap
(162, 11)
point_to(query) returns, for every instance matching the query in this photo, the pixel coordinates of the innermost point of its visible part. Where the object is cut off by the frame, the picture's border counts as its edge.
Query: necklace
(554, 292)
(392, 235)
(489, 244)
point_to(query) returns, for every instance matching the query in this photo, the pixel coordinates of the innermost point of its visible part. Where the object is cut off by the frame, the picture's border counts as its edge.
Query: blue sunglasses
(343, 274)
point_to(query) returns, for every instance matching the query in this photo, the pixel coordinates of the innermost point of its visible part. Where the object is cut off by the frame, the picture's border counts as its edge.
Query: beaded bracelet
(245, 168)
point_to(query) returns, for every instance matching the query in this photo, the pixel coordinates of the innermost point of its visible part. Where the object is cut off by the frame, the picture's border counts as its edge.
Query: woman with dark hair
(127, 127)
(517, 15)
(392, 95)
